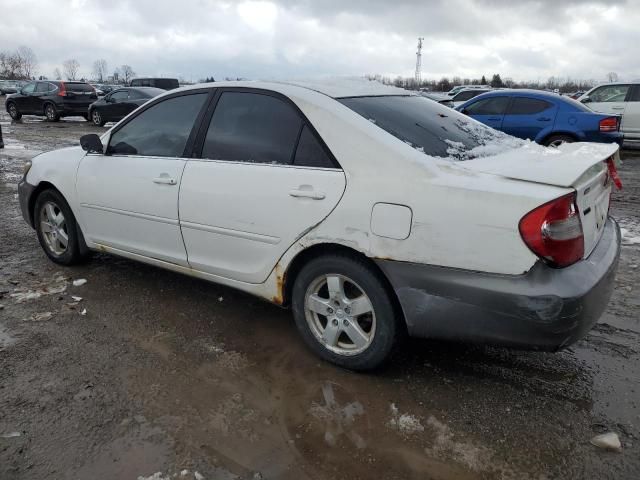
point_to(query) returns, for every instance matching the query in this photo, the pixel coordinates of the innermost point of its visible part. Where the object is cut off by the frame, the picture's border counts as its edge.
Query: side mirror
(91, 143)
(585, 100)
(463, 111)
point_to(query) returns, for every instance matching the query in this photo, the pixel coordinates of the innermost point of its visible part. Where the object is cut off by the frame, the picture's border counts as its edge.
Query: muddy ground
(165, 375)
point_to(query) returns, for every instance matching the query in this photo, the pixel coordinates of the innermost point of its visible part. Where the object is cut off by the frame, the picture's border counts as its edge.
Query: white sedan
(369, 210)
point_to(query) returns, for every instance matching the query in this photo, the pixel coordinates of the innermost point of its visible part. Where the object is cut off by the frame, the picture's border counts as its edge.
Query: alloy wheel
(97, 118)
(50, 112)
(13, 111)
(54, 228)
(340, 314)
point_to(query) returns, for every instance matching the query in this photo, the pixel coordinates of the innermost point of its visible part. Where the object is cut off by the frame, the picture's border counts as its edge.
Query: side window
(135, 95)
(310, 152)
(160, 131)
(29, 88)
(488, 106)
(464, 96)
(527, 106)
(635, 94)
(252, 127)
(609, 93)
(119, 96)
(42, 87)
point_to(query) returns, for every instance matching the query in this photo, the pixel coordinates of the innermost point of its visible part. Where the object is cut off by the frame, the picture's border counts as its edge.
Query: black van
(163, 83)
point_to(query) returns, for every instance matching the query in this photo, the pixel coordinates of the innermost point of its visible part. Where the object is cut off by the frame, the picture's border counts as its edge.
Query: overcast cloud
(524, 40)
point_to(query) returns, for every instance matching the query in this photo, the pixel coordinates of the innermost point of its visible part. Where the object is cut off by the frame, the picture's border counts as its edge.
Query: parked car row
(57, 99)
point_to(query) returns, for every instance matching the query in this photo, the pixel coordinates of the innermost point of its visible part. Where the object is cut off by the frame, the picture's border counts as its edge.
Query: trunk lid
(581, 166)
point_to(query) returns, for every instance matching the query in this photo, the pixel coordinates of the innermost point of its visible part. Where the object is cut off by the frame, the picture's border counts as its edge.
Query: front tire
(96, 118)
(344, 312)
(51, 113)
(14, 113)
(57, 229)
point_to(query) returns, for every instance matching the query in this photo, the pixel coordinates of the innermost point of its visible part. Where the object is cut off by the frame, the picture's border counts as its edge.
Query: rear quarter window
(429, 127)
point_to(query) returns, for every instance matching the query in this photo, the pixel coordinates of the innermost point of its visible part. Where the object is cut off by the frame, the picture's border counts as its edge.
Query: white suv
(621, 99)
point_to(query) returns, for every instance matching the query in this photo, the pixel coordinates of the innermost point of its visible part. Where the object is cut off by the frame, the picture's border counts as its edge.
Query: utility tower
(419, 61)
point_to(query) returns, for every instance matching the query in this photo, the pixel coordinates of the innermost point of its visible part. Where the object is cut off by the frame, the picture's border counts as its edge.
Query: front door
(26, 101)
(264, 178)
(526, 117)
(129, 196)
(489, 111)
(631, 118)
(116, 105)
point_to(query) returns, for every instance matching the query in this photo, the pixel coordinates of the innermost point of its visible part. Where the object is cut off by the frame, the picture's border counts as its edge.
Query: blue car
(547, 118)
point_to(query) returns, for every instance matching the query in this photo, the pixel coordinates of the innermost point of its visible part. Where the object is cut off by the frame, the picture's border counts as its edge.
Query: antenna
(419, 61)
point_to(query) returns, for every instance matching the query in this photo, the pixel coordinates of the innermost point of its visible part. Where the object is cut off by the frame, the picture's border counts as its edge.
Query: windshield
(433, 129)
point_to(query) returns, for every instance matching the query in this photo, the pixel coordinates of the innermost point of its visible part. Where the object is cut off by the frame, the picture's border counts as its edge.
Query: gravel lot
(166, 374)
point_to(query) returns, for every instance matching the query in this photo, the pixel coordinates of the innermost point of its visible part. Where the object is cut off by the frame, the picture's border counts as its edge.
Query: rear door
(609, 99)
(631, 118)
(42, 91)
(129, 196)
(489, 111)
(527, 116)
(264, 178)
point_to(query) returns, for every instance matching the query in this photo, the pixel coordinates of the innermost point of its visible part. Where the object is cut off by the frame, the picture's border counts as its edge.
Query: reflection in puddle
(338, 419)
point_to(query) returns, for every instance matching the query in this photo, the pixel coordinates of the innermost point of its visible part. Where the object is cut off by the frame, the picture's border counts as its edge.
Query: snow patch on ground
(405, 423)
(475, 458)
(630, 231)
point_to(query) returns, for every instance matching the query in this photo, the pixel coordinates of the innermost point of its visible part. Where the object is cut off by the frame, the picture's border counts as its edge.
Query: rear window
(77, 87)
(430, 128)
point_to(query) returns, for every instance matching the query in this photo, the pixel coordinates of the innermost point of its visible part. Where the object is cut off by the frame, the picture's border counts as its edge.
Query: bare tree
(10, 66)
(100, 69)
(612, 77)
(126, 73)
(57, 74)
(28, 61)
(70, 68)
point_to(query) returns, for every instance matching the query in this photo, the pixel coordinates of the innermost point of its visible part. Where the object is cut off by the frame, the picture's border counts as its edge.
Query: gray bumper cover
(544, 309)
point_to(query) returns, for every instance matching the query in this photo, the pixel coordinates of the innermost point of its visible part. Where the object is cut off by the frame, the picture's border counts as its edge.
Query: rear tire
(96, 118)
(14, 113)
(51, 113)
(57, 229)
(557, 140)
(344, 312)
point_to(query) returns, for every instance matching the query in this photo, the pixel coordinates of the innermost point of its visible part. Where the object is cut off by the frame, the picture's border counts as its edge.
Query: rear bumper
(605, 137)
(75, 109)
(545, 308)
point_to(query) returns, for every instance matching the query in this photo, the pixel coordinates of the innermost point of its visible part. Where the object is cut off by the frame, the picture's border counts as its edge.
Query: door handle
(617, 108)
(307, 194)
(543, 119)
(164, 180)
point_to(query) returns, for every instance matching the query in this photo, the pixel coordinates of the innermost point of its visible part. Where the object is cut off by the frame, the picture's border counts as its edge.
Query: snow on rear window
(431, 128)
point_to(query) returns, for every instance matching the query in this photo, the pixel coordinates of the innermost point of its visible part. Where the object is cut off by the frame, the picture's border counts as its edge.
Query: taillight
(609, 124)
(62, 90)
(553, 231)
(613, 173)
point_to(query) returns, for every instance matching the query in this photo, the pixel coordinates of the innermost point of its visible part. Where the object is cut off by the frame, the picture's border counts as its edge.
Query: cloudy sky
(524, 40)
